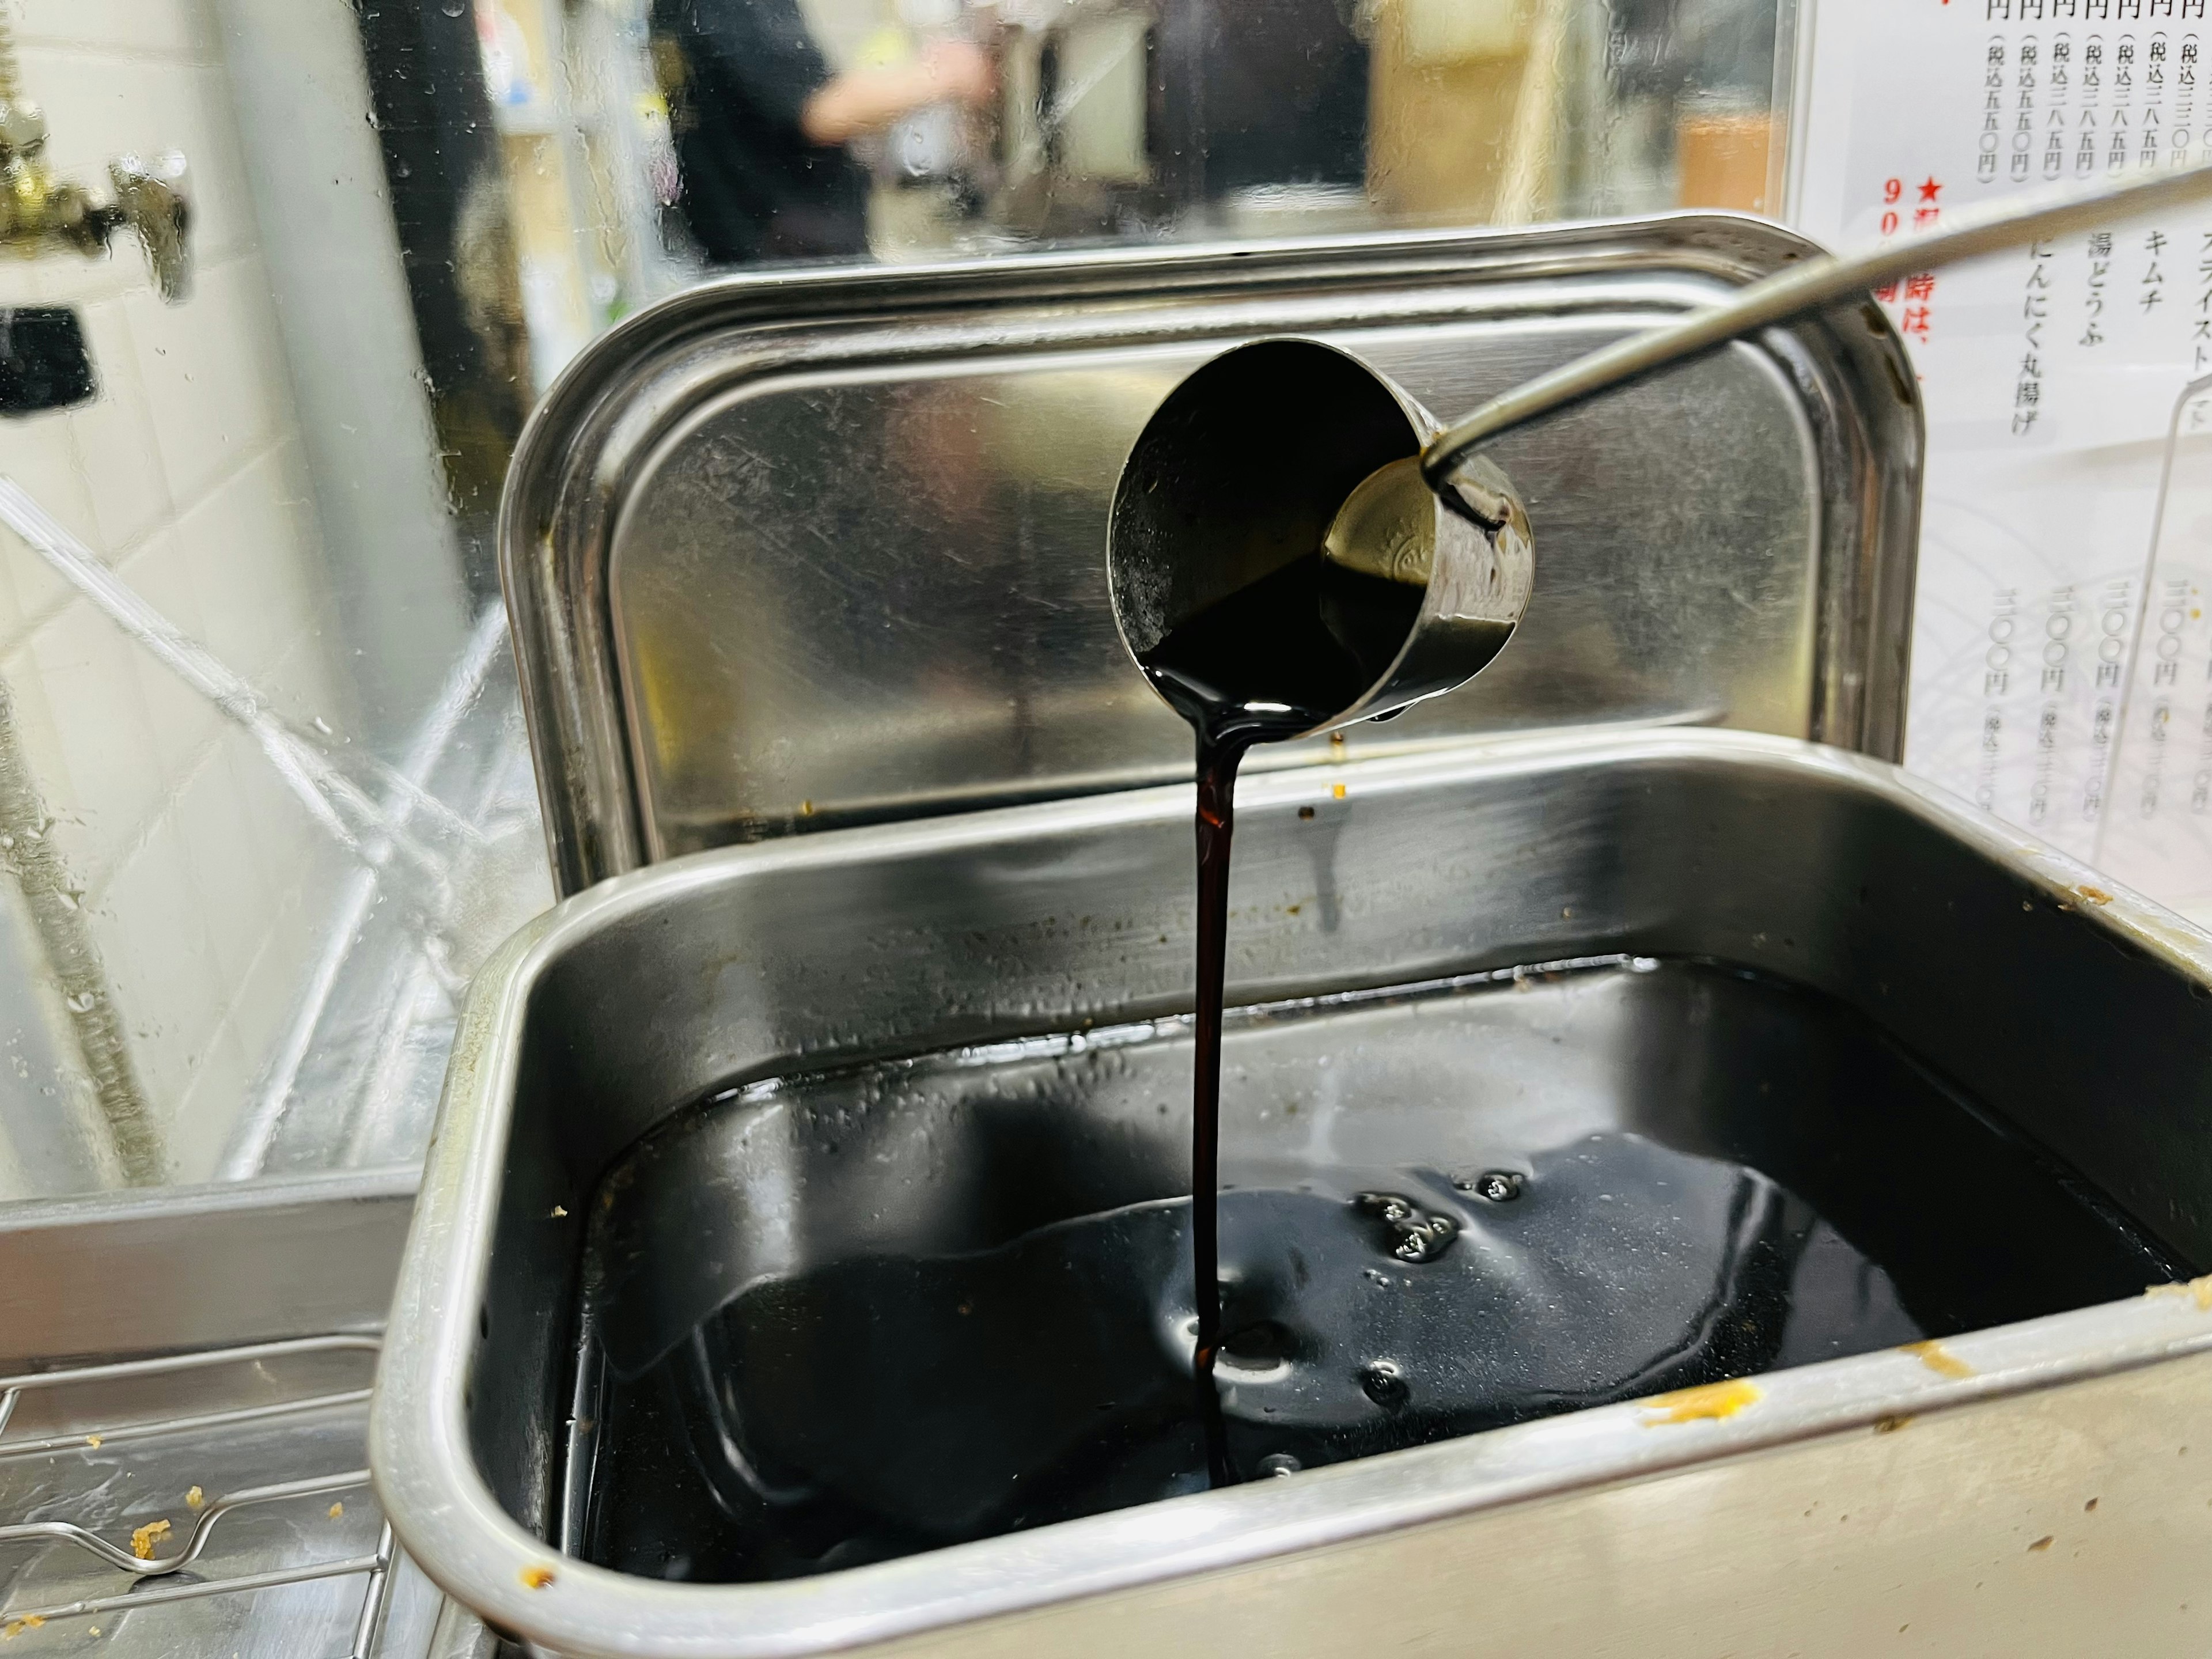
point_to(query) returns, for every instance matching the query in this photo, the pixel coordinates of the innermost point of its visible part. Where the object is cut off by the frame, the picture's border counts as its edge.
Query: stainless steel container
(795, 552)
(2005, 968)
(717, 652)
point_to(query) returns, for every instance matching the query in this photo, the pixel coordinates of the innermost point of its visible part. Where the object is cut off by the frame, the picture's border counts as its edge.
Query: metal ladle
(1222, 490)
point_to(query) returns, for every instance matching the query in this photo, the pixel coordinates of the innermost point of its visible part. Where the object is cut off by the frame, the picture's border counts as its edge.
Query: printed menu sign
(2054, 379)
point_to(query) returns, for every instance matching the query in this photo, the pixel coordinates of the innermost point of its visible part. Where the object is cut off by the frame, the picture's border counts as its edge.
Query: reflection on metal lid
(838, 538)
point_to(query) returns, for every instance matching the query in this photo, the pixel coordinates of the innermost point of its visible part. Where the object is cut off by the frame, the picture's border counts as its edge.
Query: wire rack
(152, 1562)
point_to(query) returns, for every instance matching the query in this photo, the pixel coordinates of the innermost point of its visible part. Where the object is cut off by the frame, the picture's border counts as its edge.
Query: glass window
(290, 280)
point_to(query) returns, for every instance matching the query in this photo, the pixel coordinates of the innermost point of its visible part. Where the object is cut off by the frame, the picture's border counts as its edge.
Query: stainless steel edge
(201, 1266)
(449, 1518)
(616, 403)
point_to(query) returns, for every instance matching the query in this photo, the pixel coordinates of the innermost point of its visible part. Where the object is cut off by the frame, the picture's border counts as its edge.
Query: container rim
(448, 1519)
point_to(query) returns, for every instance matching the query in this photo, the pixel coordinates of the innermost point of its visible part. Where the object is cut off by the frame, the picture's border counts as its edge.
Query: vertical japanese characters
(2050, 379)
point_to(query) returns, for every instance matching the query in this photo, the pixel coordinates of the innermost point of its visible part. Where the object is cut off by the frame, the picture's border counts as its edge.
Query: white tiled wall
(206, 883)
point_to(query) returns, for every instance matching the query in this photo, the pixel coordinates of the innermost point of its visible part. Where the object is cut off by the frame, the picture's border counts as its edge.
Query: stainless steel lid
(794, 551)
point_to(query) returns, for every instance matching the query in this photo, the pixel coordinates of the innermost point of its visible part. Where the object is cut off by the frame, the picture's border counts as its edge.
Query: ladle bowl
(1283, 447)
(1220, 492)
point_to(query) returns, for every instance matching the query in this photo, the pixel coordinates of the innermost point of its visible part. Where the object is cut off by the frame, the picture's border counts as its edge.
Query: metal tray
(795, 552)
(218, 1342)
(2030, 1486)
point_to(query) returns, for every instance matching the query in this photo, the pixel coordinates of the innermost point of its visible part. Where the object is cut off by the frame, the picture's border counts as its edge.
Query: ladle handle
(1807, 287)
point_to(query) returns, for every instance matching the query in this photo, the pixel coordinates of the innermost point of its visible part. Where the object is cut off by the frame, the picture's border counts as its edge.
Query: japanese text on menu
(2051, 378)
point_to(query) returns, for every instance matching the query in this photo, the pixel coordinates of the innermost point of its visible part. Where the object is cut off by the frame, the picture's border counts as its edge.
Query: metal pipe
(55, 904)
(1808, 287)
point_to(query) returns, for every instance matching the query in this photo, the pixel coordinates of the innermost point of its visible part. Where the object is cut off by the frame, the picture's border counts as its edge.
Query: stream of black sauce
(1741, 1208)
(1270, 660)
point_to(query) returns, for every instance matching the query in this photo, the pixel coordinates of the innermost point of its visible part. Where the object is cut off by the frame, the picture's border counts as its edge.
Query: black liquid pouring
(1273, 582)
(1268, 662)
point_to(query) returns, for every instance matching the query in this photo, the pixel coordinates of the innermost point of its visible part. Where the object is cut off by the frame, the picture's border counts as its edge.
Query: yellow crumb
(195, 1499)
(1712, 1401)
(2198, 1291)
(560, 1209)
(1337, 790)
(15, 1627)
(1938, 1358)
(536, 1577)
(92, 1440)
(337, 1510)
(143, 1539)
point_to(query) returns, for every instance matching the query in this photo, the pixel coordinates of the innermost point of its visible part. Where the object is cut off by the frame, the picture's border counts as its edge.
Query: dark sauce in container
(1776, 1184)
(1804, 1192)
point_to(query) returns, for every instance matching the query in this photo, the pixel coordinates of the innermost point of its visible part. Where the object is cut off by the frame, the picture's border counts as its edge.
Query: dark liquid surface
(1032, 1323)
(1770, 1183)
(1280, 656)
(1268, 662)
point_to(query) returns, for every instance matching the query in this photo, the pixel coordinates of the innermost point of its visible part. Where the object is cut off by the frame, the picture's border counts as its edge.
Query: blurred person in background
(760, 126)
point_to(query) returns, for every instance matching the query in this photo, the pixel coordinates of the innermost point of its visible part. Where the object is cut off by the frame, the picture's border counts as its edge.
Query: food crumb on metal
(2198, 1291)
(143, 1539)
(93, 1440)
(195, 1500)
(335, 1510)
(15, 1627)
(1938, 1358)
(536, 1577)
(1711, 1400)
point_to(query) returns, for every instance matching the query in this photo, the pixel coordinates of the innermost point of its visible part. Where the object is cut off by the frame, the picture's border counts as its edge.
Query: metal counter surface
(202, 1358)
